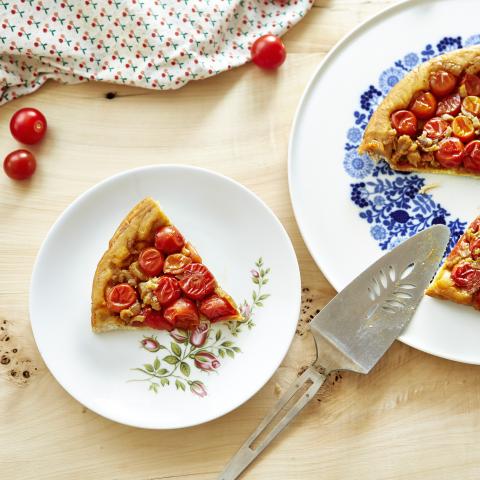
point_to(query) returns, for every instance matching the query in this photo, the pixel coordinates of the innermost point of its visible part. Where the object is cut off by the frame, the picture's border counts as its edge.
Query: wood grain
(415, 416)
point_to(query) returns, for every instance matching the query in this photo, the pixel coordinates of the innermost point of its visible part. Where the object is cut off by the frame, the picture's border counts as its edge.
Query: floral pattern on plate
(200, 351)
(395, 204)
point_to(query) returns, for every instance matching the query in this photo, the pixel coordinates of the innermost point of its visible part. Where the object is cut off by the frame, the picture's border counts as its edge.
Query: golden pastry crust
(138, 226)
(379, 137)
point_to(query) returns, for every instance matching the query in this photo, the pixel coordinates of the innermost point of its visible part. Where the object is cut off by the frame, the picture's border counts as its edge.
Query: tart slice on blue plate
(429, 121)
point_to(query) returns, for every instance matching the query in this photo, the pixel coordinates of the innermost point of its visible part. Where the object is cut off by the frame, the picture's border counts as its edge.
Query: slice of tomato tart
(152, 277)
(458, 279)
(430, 120)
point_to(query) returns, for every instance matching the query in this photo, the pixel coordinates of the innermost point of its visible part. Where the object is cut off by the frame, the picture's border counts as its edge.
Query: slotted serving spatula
(354, 330)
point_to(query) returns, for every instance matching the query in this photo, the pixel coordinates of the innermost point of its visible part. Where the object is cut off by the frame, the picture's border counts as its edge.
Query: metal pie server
(354, 330)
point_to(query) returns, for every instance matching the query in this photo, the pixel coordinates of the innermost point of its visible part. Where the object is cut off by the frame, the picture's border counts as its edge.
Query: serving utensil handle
(281, 415)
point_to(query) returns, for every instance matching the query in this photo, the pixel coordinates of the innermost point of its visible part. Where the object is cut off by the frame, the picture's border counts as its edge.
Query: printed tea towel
(160, 44)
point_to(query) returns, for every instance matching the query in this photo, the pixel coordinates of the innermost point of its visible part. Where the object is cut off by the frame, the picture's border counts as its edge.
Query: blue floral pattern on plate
(391, 202)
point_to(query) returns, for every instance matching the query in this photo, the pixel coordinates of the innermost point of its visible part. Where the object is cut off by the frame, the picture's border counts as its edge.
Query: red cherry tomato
(435, 128)
(424, 105)
(268, 52)
(450, 105)
(216, 308)
(121, 296)
(466, 276)
(475, 249)
(182, 314)
(28, 125)
(450, 153)
(404, 122)
(154, 319)
(168, 290)
(169, 240)
(197, 281)
(463, 129)
(472, 105)
(20, 164)
(475, 225)
(442, 83)
(471, 158)
(176, 263)
(151, 261)
(472, 84)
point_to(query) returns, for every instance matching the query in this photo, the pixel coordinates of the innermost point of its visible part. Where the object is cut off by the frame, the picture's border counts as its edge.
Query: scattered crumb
(428, 187)
(277, 390)
(307, 312)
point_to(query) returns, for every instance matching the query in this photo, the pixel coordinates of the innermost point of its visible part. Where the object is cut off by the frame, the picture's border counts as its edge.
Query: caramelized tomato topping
(435, 128)
(404, 122)
(424, 105)
(472, 105)
(197, 281)
(176, 263)
(450, 105)
(442, 83)
(450, 153)
(216, 308)
(169, 240)
(168, 290)
(465, 276)
(151, 261)
(182, 314)
(471, 158)
(462, 128)
(120, 296)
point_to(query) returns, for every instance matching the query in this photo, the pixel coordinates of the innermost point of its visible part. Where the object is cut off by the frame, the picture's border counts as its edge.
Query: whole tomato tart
(458, 279)
(430, 121)
(152, 277)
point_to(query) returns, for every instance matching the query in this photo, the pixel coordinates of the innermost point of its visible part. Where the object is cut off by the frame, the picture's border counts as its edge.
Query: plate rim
(296, 276)
(323, 64)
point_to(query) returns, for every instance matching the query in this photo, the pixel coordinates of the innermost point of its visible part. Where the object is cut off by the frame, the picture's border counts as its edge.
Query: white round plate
(117, 376)
(349, 211)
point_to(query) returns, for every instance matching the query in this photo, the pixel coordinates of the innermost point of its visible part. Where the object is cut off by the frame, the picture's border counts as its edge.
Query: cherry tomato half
(151, 261)
(216, 308)
(475, 249)
(168, 290)
(182, 314)
(176, 263)
(435, 128)
(450, 153)
(20, 164)
(471, 157)
(268, 52)
(424, 105)
(472, 105)
(121, 296)
(450, 105)
(466, 276)
(404, 122)
(169, 240)
(153, 319)
(472, 84)
(197, 281)
(462, 128)
(442, 83)
(28, 125)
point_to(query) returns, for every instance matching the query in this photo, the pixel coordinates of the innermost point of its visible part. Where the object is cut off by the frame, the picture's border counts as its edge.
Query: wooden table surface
(414, 416)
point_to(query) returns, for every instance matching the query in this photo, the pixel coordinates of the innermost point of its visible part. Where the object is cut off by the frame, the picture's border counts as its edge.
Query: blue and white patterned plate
(350, 209)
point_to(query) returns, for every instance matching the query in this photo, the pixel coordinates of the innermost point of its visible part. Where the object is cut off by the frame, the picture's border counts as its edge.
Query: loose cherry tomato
(28, 125)
(442, 83)
(169, 240)
(475, 249)
(404, 122)
(462, 128)
(466, 276)
(176, 263)
(435, 128)
(190, 251)
(216, 308)
(424, 105)
(472, 105)
(156, 320)
(472, 84)
(20, 164)
(120, 296)
(450, 153)
(182, 314)
(471, 158)
(151, 261)
(197, 281)
(168, 290)
(450, 105)
(268, 52)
